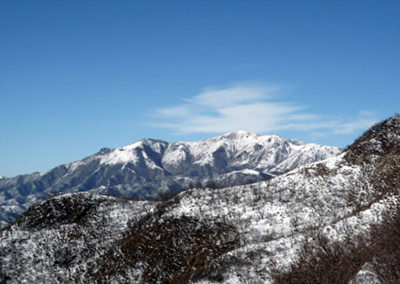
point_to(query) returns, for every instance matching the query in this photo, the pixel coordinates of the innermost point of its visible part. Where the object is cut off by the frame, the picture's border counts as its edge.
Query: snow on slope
(149, 168)
(59, 233)
(265, 152)
(273, 218)
(123, 241)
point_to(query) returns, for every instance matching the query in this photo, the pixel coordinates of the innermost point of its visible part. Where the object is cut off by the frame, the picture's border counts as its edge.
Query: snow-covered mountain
(315, 224)
(150, 168)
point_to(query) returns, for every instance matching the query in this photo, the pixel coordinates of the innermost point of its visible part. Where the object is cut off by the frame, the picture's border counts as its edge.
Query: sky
(77, 76)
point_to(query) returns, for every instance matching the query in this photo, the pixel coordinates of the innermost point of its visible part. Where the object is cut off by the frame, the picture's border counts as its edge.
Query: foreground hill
(150, 168)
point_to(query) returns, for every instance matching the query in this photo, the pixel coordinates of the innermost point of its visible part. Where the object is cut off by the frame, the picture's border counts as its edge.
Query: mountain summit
(380, 140)
(150, 168)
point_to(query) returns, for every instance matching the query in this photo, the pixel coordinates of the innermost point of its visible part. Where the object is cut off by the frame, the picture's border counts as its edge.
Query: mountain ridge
(150, 168)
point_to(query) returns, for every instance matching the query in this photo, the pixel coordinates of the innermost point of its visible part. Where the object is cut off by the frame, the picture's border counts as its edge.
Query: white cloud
(215, 98)
(253, 108)
(363, 120)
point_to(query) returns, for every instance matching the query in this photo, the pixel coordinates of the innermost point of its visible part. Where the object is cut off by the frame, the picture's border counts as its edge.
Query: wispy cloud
(337, 126)
(254, 108)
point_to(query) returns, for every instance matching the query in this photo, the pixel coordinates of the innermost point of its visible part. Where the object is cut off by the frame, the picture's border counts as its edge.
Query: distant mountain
(150, 168)
(319, 223)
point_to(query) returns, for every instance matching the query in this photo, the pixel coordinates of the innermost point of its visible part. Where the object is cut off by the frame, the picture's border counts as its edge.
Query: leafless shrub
(171, 250)
(213, 185)
(386, 263)
(322, 261)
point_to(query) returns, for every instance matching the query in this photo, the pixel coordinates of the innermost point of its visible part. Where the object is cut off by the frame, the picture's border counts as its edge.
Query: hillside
(151, 168)
(318, 223)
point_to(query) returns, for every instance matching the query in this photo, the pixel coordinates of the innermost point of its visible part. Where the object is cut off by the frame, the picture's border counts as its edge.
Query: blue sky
(76, 76)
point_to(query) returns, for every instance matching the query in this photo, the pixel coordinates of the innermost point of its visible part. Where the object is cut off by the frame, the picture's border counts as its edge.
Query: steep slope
(149, 168)
(254, 233)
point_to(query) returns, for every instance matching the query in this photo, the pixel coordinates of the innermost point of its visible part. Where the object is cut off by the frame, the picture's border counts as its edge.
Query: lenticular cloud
(256, 108)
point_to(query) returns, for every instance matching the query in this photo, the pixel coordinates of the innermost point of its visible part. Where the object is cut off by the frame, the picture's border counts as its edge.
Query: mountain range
(151, 168)
(332, 221)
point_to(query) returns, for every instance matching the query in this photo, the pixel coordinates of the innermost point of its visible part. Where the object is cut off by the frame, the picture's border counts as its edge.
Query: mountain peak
(151, 140)
(149, 168)
(380, 140)
(239, 134)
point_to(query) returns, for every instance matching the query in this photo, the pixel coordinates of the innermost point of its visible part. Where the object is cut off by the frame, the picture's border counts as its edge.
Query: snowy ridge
(149, 168)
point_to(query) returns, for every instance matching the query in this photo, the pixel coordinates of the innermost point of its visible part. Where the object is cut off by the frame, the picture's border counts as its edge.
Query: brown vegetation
(169, 250)
(322, 261)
